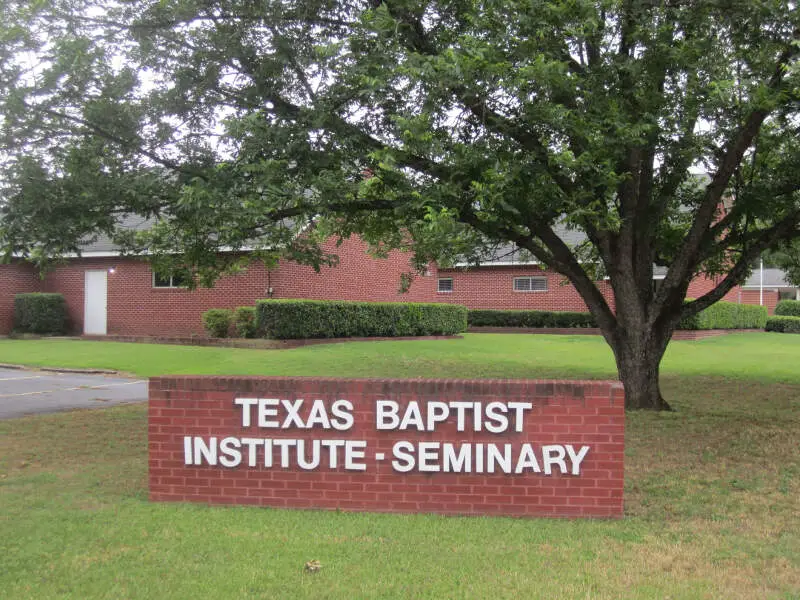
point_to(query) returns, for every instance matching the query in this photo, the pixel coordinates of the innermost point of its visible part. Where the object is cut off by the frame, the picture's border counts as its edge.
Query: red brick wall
(577, 413)
(771, 298)
(702, 285)
(742, 296)
(356, 277)
(15, 278)
(493, 288)
(135, 307)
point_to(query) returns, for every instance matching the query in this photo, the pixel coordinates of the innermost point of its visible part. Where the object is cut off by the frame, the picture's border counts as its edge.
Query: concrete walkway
(25, 392)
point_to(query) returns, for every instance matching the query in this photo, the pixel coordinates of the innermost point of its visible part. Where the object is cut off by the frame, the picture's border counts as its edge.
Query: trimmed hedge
(217, 322)
(785, 324)
(727, 315)
(40, 313)
(302, 319)
(530, 318)
(244, 320)
(722, 315)
(788, 308)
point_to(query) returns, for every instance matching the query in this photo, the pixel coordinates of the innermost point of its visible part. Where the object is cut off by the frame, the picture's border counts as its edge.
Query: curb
(59, 369)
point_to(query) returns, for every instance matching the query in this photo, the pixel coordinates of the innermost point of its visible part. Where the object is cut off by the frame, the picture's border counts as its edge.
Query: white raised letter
(428, 457)
(231, 455)
(318, 415)
(246, 404)
(478, 458)
(553, 455)
(461, 407)
(209, 452)
(412, 416)
(527, 459)
(457, 463)
(437, 413)
(496, 419)
(353, 450)
(519, 408)
(384, 409)
(187, 450)
(343, 415)
(333, 452)
(577, 459)
(301, 455)
(252, 444)
(268, 453)
(265, 409)
(284, 446)
(292, 414)
(493, 456)
(404, 455)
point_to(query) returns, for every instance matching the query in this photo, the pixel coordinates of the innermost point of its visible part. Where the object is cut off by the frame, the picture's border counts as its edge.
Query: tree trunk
(638, 357)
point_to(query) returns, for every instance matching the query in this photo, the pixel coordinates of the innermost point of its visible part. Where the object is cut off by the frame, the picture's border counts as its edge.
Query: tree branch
(478, 106)
(761, 241)
(682, 266)
(128, 144)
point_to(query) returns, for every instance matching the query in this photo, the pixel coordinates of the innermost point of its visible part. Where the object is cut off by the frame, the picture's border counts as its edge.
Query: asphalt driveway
(32, 392)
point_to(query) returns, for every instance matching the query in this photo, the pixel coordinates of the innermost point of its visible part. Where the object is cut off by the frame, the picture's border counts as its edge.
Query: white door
(95, 302)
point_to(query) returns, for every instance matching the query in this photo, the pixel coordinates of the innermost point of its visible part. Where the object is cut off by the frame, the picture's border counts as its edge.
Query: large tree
(446, 125)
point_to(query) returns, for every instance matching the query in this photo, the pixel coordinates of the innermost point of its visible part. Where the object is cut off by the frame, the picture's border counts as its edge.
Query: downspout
(761, 286)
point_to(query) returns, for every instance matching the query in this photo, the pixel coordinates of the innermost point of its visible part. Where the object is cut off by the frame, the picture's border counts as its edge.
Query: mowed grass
(761, 356)
(712, 489)
(711, 512)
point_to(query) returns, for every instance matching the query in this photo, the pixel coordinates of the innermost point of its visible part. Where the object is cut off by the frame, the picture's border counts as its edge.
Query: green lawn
(711, 490)
(763, 356)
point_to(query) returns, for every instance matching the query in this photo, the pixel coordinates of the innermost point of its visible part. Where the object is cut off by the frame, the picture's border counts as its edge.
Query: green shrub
(217, 322)
(783, 324)
(40, 313)
(299, 319)
(530, 318)
(727, 315)
(244, 320)
(788, 308)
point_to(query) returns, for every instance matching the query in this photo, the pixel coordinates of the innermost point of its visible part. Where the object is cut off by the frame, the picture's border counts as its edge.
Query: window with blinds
(530, 284)
(445, 285)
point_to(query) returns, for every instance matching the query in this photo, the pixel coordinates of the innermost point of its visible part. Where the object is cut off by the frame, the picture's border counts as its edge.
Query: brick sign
(524, 448)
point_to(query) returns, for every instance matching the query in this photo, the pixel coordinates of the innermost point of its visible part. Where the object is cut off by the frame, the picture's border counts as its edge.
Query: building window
(445, 285)
(530, 284)
(176, 280)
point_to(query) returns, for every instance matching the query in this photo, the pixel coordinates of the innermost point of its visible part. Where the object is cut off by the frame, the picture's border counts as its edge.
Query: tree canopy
(444, 126)
(787, 258)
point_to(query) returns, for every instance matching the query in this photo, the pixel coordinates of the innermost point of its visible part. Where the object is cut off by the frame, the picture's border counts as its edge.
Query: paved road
(32, 392)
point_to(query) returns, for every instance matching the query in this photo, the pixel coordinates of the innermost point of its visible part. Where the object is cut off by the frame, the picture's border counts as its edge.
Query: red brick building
(507, 279)
(526, 286)
(109, 294)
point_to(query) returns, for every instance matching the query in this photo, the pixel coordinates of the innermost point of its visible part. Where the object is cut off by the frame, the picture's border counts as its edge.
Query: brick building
(506, 279)
(110, 294)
